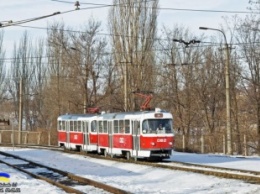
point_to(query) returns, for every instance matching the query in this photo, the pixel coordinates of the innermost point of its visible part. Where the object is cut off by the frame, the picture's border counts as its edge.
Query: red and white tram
(144, 134)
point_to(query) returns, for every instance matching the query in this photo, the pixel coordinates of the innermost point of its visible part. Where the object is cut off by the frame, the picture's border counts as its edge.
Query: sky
(25, 9)
(137, 179)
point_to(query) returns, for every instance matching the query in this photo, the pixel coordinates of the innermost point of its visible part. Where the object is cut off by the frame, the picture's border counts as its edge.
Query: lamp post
(227, 78)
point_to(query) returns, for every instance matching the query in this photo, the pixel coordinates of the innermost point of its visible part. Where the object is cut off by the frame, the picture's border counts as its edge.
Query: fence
(28, 137)
(213, 143)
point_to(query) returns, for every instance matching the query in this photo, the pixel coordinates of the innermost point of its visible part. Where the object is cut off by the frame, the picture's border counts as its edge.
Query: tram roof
(116, 115)
(121, 115)
(75, 116)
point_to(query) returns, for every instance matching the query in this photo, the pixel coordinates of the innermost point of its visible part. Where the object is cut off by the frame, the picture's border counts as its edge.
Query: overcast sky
(24, 9)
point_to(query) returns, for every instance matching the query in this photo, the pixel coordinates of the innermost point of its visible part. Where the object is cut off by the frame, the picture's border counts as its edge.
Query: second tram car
(144, 134)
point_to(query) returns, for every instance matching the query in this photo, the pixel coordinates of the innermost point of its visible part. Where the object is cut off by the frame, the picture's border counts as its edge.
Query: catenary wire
(173, 9)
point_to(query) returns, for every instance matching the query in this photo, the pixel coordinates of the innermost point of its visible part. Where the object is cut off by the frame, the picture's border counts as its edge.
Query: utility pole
(125, 87)
(86, 102)
(20, 110)
(227, 79)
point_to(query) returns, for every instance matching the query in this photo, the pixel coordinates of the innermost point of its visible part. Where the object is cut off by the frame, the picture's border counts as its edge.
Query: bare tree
(133, 28)
(247, 35)
(76, 67)
(179, 74)
(38, 83)
(3, 94)
(19, 71)
(89, 51)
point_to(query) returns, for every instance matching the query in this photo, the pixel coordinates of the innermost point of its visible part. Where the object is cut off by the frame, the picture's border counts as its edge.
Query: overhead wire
(18, 23)
(33, 19)
(121, 35)
(11, 59)
(167, 8)
(12, 23)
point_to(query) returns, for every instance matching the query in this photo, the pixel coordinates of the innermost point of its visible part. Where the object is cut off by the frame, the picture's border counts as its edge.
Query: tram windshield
(157, 126)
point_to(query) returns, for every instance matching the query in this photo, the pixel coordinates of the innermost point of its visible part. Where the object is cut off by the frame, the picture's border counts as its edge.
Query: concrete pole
(20, 110)
(125, 87)
(227, 79)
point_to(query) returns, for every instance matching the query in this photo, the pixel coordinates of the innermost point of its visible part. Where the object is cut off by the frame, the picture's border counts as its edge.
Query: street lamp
(227, 78)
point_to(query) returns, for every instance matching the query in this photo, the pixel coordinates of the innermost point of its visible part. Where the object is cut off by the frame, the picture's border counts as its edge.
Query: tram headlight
(152, 143)
(170, 143)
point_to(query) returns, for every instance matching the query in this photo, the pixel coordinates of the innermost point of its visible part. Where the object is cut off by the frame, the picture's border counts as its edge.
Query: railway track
(228, 173)
(70, 183)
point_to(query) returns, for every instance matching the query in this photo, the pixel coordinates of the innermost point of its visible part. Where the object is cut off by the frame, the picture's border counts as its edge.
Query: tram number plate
(161, 140)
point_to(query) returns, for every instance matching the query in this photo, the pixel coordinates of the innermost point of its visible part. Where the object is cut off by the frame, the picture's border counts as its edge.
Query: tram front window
(157, 126)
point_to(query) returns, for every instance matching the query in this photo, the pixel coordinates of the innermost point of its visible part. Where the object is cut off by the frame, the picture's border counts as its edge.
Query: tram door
(110, 137)
(136, 137)
(86, 134)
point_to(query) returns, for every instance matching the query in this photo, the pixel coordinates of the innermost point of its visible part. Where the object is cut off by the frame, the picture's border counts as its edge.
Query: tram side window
(121, 126)
(61, 126)
(100, 126)
(75, 125)
(63, 123)
(116, 126)
(71, 125)
(79, 126)
(93, 126)
(145, 126)
(127, 126)
(105, 126)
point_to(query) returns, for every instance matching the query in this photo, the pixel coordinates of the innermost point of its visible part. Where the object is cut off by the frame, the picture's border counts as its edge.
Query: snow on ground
(137, 178)
(236, 162)
(27, 184)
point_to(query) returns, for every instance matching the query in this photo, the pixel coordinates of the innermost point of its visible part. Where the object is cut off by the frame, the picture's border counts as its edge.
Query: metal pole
(125, 87)
(13, 134)
(227, 78)
(20, 110)
(86, 103)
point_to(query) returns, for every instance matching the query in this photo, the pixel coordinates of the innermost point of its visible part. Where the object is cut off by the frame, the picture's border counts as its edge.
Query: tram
(141, 134)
